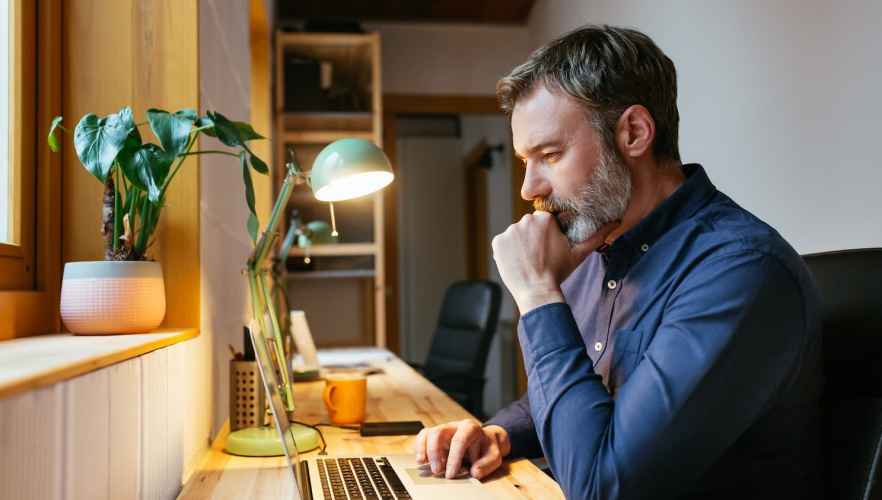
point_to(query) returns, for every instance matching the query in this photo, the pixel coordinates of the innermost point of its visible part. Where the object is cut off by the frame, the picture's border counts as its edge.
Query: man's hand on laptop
(447, 448)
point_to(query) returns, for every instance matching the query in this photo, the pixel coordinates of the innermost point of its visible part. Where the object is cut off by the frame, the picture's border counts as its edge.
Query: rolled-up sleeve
(728, 341)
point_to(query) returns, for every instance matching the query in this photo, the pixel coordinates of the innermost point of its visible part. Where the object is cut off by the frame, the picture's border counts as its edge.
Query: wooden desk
(398, 394)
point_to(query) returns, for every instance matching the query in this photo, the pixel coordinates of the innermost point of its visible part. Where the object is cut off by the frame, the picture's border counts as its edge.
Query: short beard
(603, 199)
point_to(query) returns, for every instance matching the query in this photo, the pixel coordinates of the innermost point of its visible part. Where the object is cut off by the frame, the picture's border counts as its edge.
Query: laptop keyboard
(361, 478)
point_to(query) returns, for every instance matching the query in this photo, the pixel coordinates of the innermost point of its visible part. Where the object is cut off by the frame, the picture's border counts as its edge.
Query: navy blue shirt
(685, 362)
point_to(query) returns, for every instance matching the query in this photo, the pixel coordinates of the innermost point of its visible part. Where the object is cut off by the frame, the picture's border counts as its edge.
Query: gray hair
(607, 69)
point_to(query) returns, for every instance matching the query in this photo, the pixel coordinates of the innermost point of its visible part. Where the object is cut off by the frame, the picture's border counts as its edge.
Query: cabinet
(328, 88)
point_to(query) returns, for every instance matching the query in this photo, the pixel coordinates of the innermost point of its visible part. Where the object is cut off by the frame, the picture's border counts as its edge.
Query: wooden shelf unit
(355, 58)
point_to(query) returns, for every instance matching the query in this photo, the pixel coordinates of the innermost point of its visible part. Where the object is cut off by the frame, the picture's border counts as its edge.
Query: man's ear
(635, 132)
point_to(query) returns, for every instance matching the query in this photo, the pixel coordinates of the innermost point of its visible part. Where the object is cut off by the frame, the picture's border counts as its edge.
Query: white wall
(494, 129)
(780, 101)
(429, 58)
(431, 233)
(224, 84)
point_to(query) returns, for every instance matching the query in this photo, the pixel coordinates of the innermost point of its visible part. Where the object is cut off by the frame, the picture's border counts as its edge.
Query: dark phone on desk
(402, 428)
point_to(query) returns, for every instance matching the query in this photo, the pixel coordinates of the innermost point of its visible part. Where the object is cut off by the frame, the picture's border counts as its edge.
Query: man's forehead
(541, 117)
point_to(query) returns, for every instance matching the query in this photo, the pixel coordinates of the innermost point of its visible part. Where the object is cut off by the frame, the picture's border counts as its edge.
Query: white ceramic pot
(111, 297)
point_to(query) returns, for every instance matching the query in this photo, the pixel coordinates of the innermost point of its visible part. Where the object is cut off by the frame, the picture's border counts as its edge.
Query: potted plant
(125, 292)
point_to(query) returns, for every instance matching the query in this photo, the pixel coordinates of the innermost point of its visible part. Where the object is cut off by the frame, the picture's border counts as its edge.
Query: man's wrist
(501, 437)
(532, 300)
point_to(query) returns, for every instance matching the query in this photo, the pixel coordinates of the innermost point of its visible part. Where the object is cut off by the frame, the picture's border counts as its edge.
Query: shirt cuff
(548, 328)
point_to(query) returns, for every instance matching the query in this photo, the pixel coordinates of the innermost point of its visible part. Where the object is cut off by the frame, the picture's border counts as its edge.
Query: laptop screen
(264, 351)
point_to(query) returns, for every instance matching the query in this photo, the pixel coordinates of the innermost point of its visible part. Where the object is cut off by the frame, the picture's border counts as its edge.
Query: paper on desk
(354, 357)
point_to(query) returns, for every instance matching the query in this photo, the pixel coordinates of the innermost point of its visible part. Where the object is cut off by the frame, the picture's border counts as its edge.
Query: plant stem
(117, 216)
(174, 172)
(210, 151)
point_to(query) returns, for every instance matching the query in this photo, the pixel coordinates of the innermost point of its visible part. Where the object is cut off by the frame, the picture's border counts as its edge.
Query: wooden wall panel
(177, 397)
(155, 478)
(86, 437)
(31, 440)
(125, 417)
(125, 431)
(142, 54)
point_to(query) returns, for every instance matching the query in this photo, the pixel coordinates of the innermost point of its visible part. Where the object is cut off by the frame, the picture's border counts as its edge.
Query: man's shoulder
(722, 229)
(722, 226)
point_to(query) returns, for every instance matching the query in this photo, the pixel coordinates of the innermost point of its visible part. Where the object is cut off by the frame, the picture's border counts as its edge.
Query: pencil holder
(247, 396)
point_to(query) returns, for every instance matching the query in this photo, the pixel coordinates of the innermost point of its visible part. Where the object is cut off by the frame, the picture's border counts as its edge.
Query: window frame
(30, 271)
(16, 260)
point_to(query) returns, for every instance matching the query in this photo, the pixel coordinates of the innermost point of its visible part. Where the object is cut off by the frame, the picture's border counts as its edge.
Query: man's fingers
(419, 446)
(466, 434)
(490, 460)
(437, 445)
(475, 451)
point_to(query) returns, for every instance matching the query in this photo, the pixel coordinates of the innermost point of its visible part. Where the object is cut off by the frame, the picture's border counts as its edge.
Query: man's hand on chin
(534, 257)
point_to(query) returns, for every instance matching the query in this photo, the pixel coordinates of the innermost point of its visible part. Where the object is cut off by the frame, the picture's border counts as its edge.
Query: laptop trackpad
(423, 476)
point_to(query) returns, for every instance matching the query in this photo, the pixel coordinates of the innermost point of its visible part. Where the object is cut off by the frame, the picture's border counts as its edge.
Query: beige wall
(225, 86)
(778, 100)
(430, 58)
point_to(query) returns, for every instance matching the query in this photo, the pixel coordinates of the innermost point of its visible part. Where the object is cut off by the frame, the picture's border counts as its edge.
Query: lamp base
(264, 441)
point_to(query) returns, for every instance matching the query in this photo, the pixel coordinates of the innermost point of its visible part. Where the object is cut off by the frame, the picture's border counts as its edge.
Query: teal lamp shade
(349, 168)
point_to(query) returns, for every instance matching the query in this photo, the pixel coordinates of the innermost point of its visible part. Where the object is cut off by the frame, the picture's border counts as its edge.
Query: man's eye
(551, 157)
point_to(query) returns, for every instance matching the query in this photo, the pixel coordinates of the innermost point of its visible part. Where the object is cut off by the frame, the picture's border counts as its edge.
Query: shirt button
(598, 346)
(644, 247)
(611, 284)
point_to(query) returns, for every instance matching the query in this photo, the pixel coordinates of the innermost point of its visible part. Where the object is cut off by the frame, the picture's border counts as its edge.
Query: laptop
(387, 477)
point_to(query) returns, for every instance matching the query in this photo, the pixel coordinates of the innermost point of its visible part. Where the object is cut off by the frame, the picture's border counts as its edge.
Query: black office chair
(850, 282)
(458, 354)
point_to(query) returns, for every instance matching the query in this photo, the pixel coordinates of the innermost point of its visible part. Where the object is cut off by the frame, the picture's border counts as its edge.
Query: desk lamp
(343, 170)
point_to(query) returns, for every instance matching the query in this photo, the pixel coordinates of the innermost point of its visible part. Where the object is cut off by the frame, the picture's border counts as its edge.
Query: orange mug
(346, 398)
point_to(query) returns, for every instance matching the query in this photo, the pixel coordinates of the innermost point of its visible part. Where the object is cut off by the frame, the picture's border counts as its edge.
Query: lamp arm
(263, 289)
(263, 246)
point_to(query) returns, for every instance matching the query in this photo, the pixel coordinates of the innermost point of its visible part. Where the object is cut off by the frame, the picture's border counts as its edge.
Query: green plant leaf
(253, 225)
(187, 114)
(172, 130)
(98, 141)
(52, 139)
(232, 133)
(246, 131)
(258, 164)
(207, 122)
(225, 131)
(146, 167)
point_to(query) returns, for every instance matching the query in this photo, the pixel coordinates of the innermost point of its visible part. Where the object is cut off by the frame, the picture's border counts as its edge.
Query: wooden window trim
(32, 307)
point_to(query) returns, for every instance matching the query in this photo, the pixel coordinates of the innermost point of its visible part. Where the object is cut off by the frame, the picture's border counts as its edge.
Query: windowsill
(33, 362)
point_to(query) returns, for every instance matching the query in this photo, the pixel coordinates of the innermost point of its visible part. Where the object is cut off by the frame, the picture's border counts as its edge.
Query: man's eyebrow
(536, 147)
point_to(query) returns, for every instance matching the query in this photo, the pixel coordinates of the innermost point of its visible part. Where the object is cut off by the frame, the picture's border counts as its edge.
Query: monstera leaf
(172, 130)
(98, 141)
(253, 225)
(146, 166)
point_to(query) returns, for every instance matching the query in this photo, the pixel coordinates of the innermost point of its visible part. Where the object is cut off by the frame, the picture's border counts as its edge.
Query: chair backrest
(850, 283)
(466, 326)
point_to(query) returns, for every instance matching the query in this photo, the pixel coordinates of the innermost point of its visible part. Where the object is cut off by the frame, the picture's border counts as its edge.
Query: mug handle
(326, 395)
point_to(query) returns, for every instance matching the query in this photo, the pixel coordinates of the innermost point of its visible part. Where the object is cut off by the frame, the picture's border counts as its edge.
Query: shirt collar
(695, 191)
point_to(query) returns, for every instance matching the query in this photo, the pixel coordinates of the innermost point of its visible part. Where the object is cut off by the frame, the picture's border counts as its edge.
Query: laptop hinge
(305, 484)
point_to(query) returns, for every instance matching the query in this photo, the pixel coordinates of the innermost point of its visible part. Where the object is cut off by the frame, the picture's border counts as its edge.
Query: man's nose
(535, 185)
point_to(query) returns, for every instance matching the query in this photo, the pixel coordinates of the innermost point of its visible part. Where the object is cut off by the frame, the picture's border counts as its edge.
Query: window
(5, 208)
(30, 94)
(17, 119)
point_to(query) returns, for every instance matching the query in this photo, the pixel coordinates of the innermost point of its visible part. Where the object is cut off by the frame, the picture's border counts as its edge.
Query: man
(671, 339)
